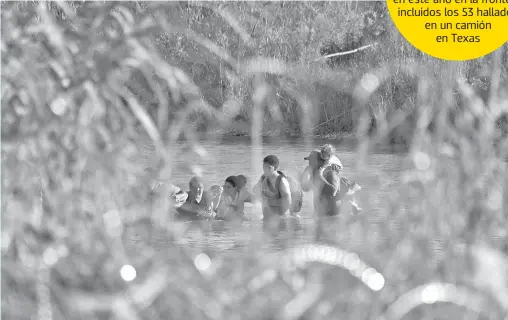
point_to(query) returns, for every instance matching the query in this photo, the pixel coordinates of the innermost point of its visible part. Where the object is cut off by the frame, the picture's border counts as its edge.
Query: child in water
(327, 153)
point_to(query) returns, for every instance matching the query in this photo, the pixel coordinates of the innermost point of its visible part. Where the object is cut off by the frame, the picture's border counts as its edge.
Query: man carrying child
(322, 176)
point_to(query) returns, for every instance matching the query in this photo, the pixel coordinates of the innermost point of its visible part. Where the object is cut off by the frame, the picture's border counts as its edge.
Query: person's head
(242, 181)
(270, 164)
(230, 185)
(196, 187)
(315, 160)
(326, 152)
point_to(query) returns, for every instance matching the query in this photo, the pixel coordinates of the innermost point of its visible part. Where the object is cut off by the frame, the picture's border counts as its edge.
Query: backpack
(347, 187)
(295, 190)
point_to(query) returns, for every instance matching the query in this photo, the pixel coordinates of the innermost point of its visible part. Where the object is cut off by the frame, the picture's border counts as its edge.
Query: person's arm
(211, 199)
(331, 183)
(215, 193)
(216, 203)
(248, 197)
(179, 198)
(285, 196)
(256, 190)
(239, 206)
(243, 196)
(306, 181)
(188, 209)
(252, 198)
(175, 191)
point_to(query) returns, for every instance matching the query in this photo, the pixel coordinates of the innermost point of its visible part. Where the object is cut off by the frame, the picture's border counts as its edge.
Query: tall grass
(88, 87)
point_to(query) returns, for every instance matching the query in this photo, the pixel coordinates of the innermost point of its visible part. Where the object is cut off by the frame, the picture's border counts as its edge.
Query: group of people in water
(280, 195)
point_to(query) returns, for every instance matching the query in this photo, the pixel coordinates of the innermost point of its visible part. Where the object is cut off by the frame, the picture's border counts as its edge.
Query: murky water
(377, 176)
(234, 157)
(375, 226)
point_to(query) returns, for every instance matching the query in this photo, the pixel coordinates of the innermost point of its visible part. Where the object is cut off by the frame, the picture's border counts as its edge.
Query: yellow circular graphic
(452, 29)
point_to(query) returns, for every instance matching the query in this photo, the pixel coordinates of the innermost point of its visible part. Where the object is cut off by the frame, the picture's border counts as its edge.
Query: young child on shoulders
(327, 153)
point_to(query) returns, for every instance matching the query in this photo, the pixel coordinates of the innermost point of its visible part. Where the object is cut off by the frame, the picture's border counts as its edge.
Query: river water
(235, 157)
(373, 229)
(378, 175)
(377, 234)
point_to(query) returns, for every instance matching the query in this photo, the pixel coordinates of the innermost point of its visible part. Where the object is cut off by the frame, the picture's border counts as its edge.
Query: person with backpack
(273, 189)
(347, 188)
(328, 187)
(324, 182)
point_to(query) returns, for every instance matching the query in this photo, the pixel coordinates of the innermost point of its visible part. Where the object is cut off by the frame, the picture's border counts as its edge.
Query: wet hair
(272, 160)
(232, 180)
(327, 152)
(195, 181)
(242, 180)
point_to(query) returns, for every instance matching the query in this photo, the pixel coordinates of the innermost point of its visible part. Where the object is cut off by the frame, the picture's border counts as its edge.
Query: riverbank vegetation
(89, 89)
(302, 34)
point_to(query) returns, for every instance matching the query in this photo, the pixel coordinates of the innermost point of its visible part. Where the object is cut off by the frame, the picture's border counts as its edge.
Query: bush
(93, 93)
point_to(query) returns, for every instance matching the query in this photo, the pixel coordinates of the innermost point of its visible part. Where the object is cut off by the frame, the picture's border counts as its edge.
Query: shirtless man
(200, 204)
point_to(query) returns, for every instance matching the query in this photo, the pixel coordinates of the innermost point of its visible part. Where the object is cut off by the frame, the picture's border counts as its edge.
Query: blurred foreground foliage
(89, 88)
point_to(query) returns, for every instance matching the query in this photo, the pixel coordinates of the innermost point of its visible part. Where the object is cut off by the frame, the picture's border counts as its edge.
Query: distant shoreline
(341, 139)
(346, 137)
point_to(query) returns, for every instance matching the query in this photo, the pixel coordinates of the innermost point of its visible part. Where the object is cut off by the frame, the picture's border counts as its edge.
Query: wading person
(199, 204)
(347, 188)
(230, 205)
(324, 182)
(273, 190)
